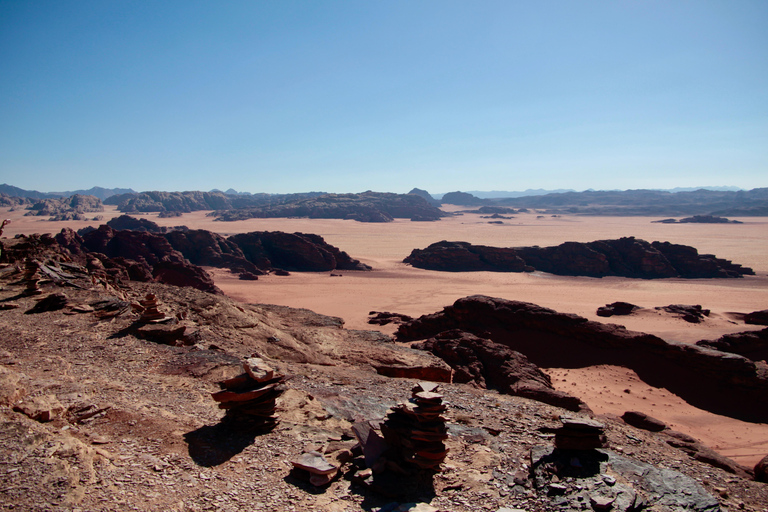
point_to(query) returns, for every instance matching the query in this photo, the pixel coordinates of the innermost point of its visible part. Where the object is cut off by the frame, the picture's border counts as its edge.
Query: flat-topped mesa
(624, 257)
(415, 430)
(250, 398)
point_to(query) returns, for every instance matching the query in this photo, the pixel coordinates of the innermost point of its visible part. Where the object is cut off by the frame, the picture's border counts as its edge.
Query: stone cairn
(580, 434)
(32, 277)
(151, 312)
(249, 399)
(416, 429)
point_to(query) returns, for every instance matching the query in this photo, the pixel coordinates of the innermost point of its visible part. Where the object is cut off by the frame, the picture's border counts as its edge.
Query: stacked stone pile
(249, 399)
(151, 312)
(580, 434)
(417, 428)
(32, 277)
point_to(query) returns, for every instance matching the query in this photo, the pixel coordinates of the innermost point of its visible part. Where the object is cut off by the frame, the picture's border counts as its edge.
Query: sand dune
(394, 286)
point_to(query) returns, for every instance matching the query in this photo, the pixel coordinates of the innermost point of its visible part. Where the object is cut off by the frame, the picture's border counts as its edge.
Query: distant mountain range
(101, 193)
(419, 204)
(501, 194)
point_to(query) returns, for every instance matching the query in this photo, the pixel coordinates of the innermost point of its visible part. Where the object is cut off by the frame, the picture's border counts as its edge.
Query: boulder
(643, 421)
(761, 470)
(617, 308)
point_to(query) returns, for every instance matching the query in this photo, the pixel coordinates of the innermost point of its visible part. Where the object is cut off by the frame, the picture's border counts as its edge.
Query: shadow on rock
(213, 445)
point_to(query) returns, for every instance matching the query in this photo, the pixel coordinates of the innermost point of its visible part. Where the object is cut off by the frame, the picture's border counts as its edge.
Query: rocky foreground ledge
(625, 257)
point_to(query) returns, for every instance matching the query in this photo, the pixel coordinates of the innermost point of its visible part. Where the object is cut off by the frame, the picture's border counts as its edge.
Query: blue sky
(347, 96)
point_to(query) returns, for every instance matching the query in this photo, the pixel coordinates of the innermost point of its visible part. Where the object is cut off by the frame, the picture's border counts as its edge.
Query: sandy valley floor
(394, 286)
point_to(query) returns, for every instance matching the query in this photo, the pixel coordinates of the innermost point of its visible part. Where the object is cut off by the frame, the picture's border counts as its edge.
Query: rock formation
(617, 308)
(363, 207)
(492, 365)
(757, 317)
(625, 257)
(750, 344)
(716, 381)
(70, 208)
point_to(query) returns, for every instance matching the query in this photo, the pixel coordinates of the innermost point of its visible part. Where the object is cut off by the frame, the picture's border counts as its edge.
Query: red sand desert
(394, 286)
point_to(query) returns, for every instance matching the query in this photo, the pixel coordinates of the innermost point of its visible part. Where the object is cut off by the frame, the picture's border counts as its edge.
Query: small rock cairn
(32, 277)
(249, 399)
(151, 313)
(417, 428)
(580, 434)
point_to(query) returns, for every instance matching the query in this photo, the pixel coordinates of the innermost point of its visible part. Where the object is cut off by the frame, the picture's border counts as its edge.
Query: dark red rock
(124, 222)
(750, 344)
(617, 308)
(300, 252)
(690, 313)
(385, 318)
(248, 276)
(757, 317)
(643, 421)
(205, 248)
(761, 470)
(428, 373)
(184, 274)
(626, 257)
(489, 364)
(715, 381)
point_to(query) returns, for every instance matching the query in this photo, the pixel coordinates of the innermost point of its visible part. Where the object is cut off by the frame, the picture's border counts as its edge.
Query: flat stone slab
(315, 463)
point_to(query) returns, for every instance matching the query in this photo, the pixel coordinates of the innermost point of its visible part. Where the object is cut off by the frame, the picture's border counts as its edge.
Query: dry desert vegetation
(152, 442)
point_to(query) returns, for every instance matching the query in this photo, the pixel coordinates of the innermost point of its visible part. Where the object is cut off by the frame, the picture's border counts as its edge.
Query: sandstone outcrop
(617, 308)
(757, 317)
(299, 252)
(750, 344)
(493, 365)
(716, 381)
(625, 257)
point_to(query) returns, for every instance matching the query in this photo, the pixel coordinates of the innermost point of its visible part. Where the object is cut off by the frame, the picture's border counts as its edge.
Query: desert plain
(396, 287)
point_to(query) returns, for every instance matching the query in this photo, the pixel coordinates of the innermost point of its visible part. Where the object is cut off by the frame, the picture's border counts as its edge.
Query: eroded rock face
(761, 470)
(293, 252)
(493, 365)
(625, 257)
(716, 381)
(751, 344)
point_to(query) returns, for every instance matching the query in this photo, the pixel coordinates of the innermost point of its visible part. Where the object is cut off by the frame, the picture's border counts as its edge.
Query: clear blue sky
(347, 96)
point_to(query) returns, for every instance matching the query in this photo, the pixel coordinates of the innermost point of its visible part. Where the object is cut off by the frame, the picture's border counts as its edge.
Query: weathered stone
(315, 463)
(641, 420)
(761, 470)
(40, 408)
